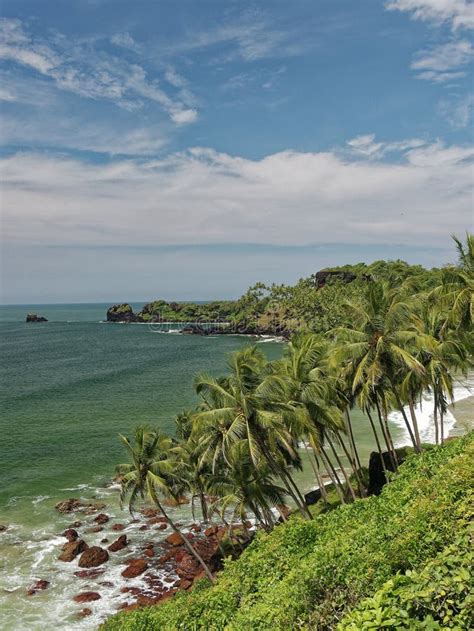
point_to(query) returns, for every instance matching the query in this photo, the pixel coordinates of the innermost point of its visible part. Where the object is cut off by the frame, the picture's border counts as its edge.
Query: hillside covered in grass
(399, 560)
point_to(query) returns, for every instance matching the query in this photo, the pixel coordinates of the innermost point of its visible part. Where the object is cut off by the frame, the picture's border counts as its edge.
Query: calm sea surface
(68, 387)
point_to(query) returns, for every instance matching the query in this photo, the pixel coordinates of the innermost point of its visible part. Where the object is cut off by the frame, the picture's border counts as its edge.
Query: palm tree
(236, 407)
(375, 348)
(153, 471)
(456, 292)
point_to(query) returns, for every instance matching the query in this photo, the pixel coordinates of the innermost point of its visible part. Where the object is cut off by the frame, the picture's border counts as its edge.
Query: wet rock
(94, 529)
(71, 534)
(33, 317)
(73, 504)
(72, 549)
(83, 613)
(106, 584)
(118, 544)
(92, 573)
(195, 528)
(149, 512)
(162, 526)
(185, 584)
(75, 524)
(104, 540)
(135, 568)
(3, 527)
(101, 518)
(149, 552)
(144, 527)
(38, 587)
(157, 520)
(86, 597)
(167, 556)
(174, 539)
(211, 531)
(93, 556)
(118, 527)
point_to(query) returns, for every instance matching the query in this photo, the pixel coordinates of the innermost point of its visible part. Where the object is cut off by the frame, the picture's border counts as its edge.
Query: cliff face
(121, 313)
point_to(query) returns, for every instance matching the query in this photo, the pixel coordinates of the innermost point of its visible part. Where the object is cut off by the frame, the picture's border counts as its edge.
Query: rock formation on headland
(32, 317)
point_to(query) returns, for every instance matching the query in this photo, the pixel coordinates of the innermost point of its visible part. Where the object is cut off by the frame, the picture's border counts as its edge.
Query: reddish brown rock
(71, 534)
(75, 524)
(162, 526)
(195, 528)
(83, 613)
(38, 587)
(174, 539)
(73, 504)
(144, 527)
(106, 584)
(92, 573)
(211, 531)
(93, 556)
(185, 584)
(157, 520)
(94, 529)
(149, 552)
(167, 556)
(86, 597)
(119, 544)
(149, 512)
(72, 549)
(134, 568)
(101, 518)
(118, 527)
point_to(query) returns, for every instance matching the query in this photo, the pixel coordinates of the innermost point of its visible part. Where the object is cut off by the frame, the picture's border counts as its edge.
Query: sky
(186, 149)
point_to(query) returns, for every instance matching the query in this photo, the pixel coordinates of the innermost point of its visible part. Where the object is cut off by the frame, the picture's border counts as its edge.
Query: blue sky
(187, 149)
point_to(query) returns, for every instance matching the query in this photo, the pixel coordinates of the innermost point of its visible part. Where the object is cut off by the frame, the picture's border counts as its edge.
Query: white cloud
(201, 196)
(90, 74)
(457, 13)
(6, 94)
(125, 40)
(367, 147)
(457, 111)
(442, 63)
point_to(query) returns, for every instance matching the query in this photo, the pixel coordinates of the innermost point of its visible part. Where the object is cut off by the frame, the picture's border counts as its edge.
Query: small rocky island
(32, 317)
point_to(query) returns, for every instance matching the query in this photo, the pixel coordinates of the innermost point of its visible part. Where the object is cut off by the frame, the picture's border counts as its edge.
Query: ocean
(69, 386)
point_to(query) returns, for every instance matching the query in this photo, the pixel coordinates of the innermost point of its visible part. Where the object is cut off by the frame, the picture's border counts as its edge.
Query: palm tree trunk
(341, 467)
(187, 543)
(356, 471)
(405, 418)
(350, 433)
(441, 424)
(316, 474)
(333, 475)
(299, 494)
(379, 448)
(204, 508)
(415, 423)
(383, 421)
(435, 418)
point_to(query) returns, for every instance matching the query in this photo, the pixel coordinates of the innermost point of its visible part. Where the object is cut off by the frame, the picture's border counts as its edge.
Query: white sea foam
(425, 414)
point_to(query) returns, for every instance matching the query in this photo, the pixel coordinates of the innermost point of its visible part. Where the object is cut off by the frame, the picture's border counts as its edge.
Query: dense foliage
(308, 574)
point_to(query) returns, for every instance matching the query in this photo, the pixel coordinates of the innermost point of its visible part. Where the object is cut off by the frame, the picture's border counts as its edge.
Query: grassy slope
(311, 574)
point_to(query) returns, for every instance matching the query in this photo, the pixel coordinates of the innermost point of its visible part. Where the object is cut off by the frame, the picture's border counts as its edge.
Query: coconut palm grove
(385, 544)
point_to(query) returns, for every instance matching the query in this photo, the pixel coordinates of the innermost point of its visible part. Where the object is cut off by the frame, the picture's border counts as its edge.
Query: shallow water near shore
(68, 387)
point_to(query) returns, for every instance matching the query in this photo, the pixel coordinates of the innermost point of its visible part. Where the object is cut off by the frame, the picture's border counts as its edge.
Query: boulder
(3, 527)
(121, 313)
(211, 531)
(377, 479)
(71, 535)
(86, 597)
(195, 528)
(134, 568)
(162, 526)
(72, 549)
(157, 520)
(92, 573)
(118, 527)
(93, 556)
(148, 512)
(174, 539)
(101, 518)
(312, 497)
(83, 613)
(32, 317)
(322, 277)
(149, 552)
(73, 504)
(118, 544)
(94, 529)
(38, 587)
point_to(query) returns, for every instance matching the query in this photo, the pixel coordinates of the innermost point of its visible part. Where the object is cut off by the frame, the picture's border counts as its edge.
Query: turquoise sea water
(67, 388)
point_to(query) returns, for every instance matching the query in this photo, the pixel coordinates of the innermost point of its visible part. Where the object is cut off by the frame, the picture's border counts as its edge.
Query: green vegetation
(308, 574)
(236, 453)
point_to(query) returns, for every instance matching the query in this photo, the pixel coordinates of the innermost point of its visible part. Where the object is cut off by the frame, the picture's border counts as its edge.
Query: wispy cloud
(202, 196)
(89, 73)
(458, 13)
(457, 111)
(366, 146)
(444, 62)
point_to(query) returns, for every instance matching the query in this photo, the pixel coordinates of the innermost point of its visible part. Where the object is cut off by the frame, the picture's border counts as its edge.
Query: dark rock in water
(3, 527)
(93, 556)
(94, 529)
(117, 527)
(119, 544)
(102, 518)
(32, 317)
(92, 573)
(149, 552)
(149, 513)
(73, 504)
(38, 587)
(83, 613)
(121, 313)
(174, 539)
(312, 497)
(72, 549)
(134, 568)
(86, 597)
(71, 534)
(377, 478)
